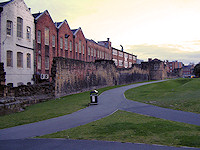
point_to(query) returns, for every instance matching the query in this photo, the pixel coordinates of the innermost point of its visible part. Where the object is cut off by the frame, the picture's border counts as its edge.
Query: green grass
(180, 94)
(129, 127)
(50, 109)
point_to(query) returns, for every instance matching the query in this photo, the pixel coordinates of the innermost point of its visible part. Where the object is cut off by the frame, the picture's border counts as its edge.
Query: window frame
(9, 27)
(19, 60)
(19, 27)
(9, 58)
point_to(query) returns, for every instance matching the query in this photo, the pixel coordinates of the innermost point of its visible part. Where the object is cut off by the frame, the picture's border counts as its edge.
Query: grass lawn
(50, 109)
(179, 94)
(129, 127)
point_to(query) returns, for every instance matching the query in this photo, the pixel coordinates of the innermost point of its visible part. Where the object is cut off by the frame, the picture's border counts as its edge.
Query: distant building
(123, 59)
(17, 34)
(173, 65)
(188, 70)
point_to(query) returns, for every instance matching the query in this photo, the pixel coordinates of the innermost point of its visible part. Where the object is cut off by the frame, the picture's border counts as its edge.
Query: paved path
(109, 102)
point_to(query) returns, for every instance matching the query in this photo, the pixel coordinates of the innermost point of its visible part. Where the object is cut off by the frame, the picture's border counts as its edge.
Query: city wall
(71, 76)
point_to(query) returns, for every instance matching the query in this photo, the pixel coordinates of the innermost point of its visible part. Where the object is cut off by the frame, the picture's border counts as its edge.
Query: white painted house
(17, 34)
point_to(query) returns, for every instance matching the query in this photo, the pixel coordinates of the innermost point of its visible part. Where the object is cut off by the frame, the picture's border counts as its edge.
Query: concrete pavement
(109, 102)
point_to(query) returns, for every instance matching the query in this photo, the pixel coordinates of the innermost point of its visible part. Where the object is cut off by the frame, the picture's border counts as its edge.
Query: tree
(197, 70)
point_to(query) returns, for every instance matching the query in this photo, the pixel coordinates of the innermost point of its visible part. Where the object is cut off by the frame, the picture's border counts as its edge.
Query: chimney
(149, 59)
(108, 39)
(122, 48)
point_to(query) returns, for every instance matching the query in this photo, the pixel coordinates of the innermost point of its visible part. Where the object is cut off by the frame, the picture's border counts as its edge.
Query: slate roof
(4, 3)
(36, 15)
(57, 24)
(74, 30)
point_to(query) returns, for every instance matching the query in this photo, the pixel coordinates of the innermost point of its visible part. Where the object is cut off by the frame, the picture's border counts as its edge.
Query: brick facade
(45, 49)
(65, 40)
(79, 43)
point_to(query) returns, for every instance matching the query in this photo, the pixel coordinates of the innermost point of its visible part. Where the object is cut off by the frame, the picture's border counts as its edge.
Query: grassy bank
(50, 109)
(180, 94)
(129, 127)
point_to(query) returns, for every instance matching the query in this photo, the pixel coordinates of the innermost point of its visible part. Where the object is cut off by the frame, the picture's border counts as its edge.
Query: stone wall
(15, 99)
(71, 76)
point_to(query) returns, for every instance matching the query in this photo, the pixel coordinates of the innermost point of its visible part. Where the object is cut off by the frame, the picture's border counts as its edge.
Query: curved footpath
(109, 102)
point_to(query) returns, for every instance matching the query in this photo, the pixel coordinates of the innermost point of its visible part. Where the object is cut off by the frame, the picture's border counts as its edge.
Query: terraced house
(29, 42)
(17, 34)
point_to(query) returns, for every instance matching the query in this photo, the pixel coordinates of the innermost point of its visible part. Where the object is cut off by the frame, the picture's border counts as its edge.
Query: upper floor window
(76, 48)
(53, 41)
(114, 52)
(9, 58)
(83, 49)
(28, 33)
(61, 43)
(19, 59)
(28, 60)
(79, 46)
(9, 27)
(46, 36)
(66, 43)
(88, 51)
(19, 27)
(38, 36)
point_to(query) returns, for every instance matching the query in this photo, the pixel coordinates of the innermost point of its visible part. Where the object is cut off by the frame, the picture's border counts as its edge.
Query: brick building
(96, 51)
(123, 59)
(46, 45)
(79, 43)
(173, 65)
(188, 71)
(65, 40)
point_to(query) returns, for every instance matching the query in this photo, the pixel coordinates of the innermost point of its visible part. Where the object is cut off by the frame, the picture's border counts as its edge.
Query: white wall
(11, 11)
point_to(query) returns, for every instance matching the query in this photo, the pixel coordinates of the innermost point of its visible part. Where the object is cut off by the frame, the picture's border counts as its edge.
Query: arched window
(19, 27)
(19, 60)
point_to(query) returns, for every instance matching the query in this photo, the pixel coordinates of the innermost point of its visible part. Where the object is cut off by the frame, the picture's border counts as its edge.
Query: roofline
(8, 2)
(43, 14)
(65, 21)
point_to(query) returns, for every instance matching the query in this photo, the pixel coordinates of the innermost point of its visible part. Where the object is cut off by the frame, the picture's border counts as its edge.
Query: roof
(74, 30)
(59, 24)
(36, 15)
(5, 3)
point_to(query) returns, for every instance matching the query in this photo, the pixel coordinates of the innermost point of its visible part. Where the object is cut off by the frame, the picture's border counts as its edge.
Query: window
(91, 51)
(76, 48)
(39, 36)
(46, 36)
(28, 60)
(66, 44)
(47, 63)
(28, 33)
(19, 27)
(88, 51)
(114, 52)
(79, 46)
(19, 59)
(53, 41)
(120, 63)
(83, 50)
(61, 43)
(9, 27)
(9, 58)
(121, 54)
(70, 45)
(115, 60)
(39, 62)
(95, 52)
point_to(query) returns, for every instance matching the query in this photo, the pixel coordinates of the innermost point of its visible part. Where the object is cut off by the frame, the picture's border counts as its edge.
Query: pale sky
(163, 29)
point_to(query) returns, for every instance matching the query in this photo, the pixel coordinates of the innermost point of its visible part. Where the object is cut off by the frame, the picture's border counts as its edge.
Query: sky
(163, 29)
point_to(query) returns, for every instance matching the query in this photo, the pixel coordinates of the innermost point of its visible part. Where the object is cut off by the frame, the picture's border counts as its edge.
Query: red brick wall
(79, 36)
(64, 30)
(42, 22)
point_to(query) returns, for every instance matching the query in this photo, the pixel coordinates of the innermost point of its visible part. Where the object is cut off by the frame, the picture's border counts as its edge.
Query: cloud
(145, 51)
